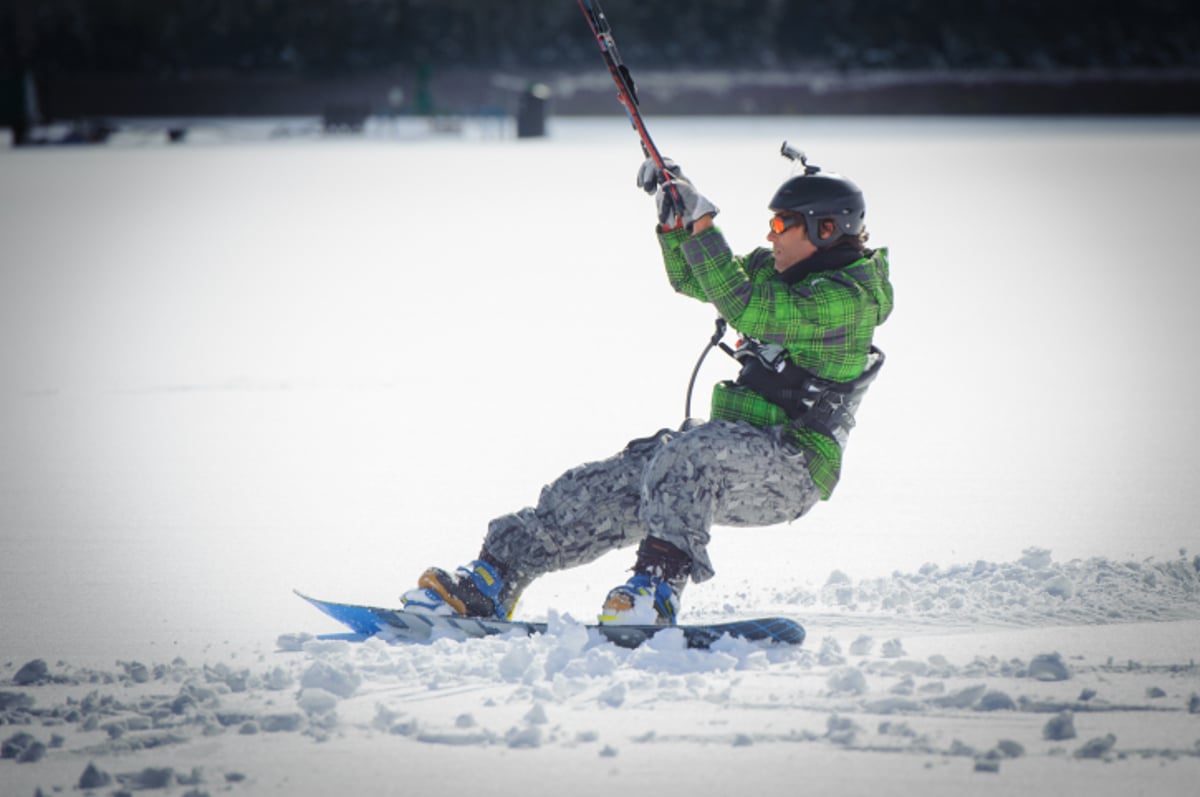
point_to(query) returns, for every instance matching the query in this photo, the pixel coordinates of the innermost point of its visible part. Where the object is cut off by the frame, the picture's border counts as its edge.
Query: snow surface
(239, 365)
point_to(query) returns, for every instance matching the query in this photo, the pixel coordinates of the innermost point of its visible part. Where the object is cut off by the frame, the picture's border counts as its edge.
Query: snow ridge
(1034, 590)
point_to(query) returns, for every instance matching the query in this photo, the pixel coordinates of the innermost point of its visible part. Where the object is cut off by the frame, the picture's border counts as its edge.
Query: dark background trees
(178, 37)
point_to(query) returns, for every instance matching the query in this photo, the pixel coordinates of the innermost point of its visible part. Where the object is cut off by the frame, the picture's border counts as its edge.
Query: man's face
(790, 244)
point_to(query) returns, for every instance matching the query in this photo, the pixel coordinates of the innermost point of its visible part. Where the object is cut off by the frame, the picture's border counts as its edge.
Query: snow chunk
(1097, 748)
(293, 643)
(341, 680)
(831, 653)
(315, 700)
(847, 680)
(94, 778)
(32, 672)
(862, 646)
(525, 738)
(571, 638)
(1035, 558)
(518, 661)
(1049, 667)
(995, 700)
(1060, 727)
(614, 695)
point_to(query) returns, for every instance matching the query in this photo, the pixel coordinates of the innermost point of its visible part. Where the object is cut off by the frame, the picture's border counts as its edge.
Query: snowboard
(366, 621)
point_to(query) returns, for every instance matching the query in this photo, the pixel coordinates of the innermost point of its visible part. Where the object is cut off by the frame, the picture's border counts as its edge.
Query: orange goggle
(780, 224)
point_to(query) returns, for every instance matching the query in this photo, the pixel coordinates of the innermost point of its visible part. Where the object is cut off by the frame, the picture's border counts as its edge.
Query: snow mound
(1034, 590)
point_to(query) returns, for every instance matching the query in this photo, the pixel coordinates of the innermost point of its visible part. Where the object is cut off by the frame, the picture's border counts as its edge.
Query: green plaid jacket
(825, 321)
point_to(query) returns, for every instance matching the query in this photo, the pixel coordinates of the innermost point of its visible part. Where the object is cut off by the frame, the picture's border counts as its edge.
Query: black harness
(823, 405)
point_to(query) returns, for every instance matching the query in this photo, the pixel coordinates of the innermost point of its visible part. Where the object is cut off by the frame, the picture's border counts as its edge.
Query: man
(807, 309)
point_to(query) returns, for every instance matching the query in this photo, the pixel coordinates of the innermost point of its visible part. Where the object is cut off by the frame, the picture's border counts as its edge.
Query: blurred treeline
(177, 38)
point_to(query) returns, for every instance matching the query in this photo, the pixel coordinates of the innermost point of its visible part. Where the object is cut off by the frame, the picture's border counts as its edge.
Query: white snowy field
(233, 367)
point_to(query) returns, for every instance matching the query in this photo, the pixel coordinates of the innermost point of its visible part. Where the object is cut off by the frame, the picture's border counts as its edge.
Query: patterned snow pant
(673, 486)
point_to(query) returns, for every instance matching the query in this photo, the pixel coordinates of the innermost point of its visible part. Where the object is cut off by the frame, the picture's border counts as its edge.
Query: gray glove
(682, 204)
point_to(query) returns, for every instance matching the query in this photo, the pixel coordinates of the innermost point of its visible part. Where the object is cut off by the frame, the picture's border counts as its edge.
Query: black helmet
(817, 195)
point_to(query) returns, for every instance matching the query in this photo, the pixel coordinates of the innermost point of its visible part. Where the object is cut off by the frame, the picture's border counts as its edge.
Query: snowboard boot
(475, 590)
(651, 595)
(642, 600)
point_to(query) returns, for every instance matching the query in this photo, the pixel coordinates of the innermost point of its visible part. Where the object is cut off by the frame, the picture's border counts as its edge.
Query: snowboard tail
(367, 621)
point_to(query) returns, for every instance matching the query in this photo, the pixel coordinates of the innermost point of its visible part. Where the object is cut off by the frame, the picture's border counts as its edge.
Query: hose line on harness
(713, 343)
